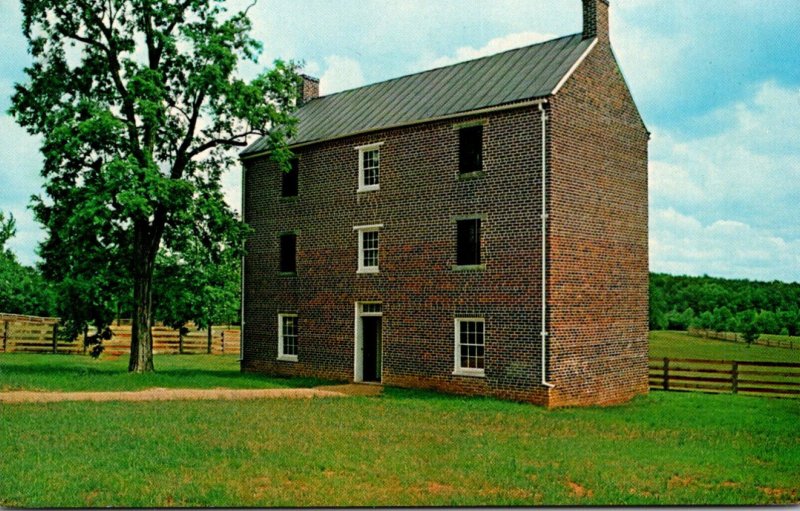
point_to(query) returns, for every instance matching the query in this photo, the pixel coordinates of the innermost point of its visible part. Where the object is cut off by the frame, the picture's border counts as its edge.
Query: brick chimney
(310, 89)
(595, 19)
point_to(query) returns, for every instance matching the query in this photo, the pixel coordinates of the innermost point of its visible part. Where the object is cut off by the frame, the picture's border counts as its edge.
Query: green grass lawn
(681, 345)
(410, 448)
(404, 448)
(20, 371)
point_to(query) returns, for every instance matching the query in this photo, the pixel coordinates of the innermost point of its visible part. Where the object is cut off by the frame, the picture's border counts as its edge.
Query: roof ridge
(549, 41)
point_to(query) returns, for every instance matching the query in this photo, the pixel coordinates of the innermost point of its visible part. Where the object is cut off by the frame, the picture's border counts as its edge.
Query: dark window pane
(289, 183)
(470, 149)
(469, 242)
(288, 253)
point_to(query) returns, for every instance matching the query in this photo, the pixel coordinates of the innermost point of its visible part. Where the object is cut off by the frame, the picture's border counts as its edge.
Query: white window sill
(287, 358)
(476, 373)
(369, 188)
(368, 270)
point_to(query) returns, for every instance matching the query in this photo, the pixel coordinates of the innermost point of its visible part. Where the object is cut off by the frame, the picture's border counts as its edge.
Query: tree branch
(181, 158)
(215, 142)
(115, 68)
(167, 31)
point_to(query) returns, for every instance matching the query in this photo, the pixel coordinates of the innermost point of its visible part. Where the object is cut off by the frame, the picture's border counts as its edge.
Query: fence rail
(777, 379)
(29, 334)
(734, 337)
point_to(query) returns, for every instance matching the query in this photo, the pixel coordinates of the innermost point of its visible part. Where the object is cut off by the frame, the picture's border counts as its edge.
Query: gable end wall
(598, 276)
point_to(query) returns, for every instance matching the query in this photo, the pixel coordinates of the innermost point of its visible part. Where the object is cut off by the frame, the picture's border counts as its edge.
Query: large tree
(139, 103)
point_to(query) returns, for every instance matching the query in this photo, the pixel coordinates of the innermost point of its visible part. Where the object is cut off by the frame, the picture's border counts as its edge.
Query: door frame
(358, 357)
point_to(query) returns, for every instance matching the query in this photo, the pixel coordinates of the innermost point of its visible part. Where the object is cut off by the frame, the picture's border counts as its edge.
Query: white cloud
(496, 45)
(341, 73)
(681, 244)
(232, 188)
(747, 169)
(648, 59)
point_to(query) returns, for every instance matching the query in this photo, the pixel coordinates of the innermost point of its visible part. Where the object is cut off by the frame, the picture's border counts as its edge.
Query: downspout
(241, 271)
(544, 217)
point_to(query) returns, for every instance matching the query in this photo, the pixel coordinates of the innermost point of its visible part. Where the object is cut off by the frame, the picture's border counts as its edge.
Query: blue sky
(717, 81)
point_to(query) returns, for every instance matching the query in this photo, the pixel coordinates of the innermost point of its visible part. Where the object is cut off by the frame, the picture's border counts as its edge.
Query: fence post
(55, 337)
(222, 341)
(735, 377)
(180, 341)
(209, 339)
(85, 335)
(666, 373)
(5, 334)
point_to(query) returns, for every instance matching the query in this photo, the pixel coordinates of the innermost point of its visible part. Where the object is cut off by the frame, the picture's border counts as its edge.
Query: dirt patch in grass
(579, 491)
(354, 389)
(785, 495)
(161, 394)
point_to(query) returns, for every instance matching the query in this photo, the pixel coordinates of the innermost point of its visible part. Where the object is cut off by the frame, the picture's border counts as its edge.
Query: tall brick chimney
(595, 19)
(310, 89)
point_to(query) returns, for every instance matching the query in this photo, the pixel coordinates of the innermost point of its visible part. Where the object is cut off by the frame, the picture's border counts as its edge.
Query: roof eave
(497, 108)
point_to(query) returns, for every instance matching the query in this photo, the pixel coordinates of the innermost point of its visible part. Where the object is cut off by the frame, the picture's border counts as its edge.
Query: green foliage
(139, 104)
(22, 289)
(723, 304)
(8, 228)
(198, 278)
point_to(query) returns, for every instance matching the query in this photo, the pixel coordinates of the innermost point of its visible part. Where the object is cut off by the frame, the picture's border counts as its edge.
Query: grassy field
(406, 447)
(74, 373)
(680, 345)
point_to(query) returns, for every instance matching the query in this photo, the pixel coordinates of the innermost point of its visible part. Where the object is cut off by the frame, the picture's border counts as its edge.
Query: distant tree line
(724, 305)
(23, 290)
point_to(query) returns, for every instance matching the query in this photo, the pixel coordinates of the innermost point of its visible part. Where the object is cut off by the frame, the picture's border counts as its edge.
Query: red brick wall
(421, 294)
(598, 279)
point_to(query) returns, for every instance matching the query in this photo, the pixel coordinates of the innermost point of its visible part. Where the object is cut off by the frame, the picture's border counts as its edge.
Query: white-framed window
(287, 337)
(369, 167)
(470, 346)
(368, 247)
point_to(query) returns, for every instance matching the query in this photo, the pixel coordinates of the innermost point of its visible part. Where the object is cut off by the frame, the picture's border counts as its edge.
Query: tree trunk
(141, 332)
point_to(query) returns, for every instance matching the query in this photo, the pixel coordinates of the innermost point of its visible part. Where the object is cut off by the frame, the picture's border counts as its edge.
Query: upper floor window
(289, 179)
(468, 242)
(288, 255)
(368, 247)
(287, 337)
(470, 149)
(369, 167)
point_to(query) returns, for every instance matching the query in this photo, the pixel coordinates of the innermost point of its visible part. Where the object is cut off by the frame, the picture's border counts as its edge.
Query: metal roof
(509, 77)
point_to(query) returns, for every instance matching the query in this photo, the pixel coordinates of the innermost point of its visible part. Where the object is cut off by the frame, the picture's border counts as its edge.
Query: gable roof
(509, 77)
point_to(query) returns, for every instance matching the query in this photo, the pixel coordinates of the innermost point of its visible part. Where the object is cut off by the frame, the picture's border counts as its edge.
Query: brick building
(479, 228)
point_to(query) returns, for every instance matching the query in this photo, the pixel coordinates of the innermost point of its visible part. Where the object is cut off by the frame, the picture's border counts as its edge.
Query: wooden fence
(777, 379)
(734, 337)
(28, 334)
